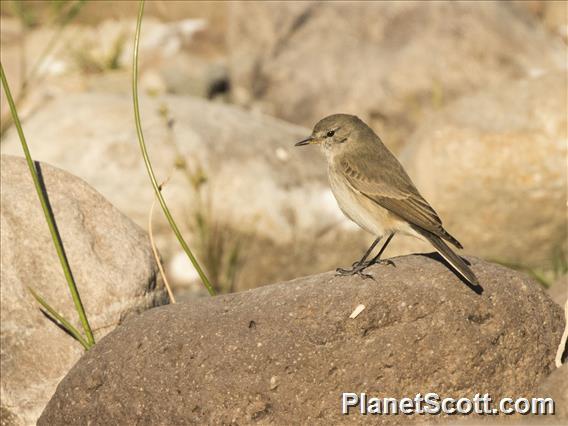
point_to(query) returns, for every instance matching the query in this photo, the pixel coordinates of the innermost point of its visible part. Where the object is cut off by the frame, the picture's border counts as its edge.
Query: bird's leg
(357, 267)
(377, 258)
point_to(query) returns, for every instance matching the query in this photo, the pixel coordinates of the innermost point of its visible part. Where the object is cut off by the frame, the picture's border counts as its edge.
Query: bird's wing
(389, 186)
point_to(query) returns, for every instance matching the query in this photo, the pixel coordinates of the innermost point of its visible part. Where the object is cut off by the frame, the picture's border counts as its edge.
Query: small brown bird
(373, 190)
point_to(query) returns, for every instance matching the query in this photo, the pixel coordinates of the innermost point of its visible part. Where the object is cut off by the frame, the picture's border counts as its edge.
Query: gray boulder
(284, 353)
(253, 185)
(111, 261)
(494, 167)
(389, 62)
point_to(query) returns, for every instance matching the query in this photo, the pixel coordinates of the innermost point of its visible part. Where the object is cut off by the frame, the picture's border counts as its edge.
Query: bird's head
(334, 132)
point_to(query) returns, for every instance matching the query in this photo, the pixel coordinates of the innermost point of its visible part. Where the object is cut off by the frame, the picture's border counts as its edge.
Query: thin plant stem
(147, 162)
(157, 257)
(50, 221)
(61, 319)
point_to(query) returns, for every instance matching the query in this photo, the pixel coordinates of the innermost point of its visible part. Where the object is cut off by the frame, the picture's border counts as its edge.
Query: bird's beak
(306, 141)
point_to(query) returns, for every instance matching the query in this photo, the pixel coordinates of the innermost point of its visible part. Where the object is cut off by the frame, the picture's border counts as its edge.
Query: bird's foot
(373, 262)
(357, 269)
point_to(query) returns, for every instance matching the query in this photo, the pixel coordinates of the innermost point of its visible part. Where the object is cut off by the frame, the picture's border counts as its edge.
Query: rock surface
(558, 291)
(556, 387)
(494, 167)
(111, 261)
(389, 62)
(282, 354)
(229, 147)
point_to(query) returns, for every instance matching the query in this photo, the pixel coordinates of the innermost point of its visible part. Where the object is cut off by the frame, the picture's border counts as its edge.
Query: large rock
(283, 354)
(558, 291)
(494, 166)
(111, 261)
(556, 387)
(389, 62)
(248, 160)
(260, 190)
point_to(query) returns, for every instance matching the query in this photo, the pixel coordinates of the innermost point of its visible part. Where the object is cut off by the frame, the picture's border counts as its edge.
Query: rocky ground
(282, 354)
(471, 98)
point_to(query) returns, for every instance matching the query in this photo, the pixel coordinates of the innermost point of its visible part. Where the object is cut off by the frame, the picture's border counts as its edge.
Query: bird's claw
(357, 269)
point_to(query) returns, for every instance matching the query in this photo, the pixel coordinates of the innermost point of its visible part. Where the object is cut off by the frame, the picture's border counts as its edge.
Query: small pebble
(357, 311)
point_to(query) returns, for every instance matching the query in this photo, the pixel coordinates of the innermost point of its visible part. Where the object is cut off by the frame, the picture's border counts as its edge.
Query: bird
(373, 190)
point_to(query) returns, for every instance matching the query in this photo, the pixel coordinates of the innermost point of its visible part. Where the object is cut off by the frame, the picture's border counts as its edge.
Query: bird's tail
(453, 259)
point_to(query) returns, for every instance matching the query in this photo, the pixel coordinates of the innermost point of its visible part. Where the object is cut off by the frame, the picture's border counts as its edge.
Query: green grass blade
(61, 320)
(48, 217)
(147, 162)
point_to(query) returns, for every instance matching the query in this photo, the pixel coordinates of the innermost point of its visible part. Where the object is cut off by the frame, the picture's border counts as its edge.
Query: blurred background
(471, 97)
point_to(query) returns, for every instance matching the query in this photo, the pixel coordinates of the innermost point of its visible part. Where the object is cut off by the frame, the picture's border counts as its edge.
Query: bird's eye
(330, 133)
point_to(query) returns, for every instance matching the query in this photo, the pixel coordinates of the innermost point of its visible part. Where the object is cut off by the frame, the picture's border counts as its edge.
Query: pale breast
(364, 212)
